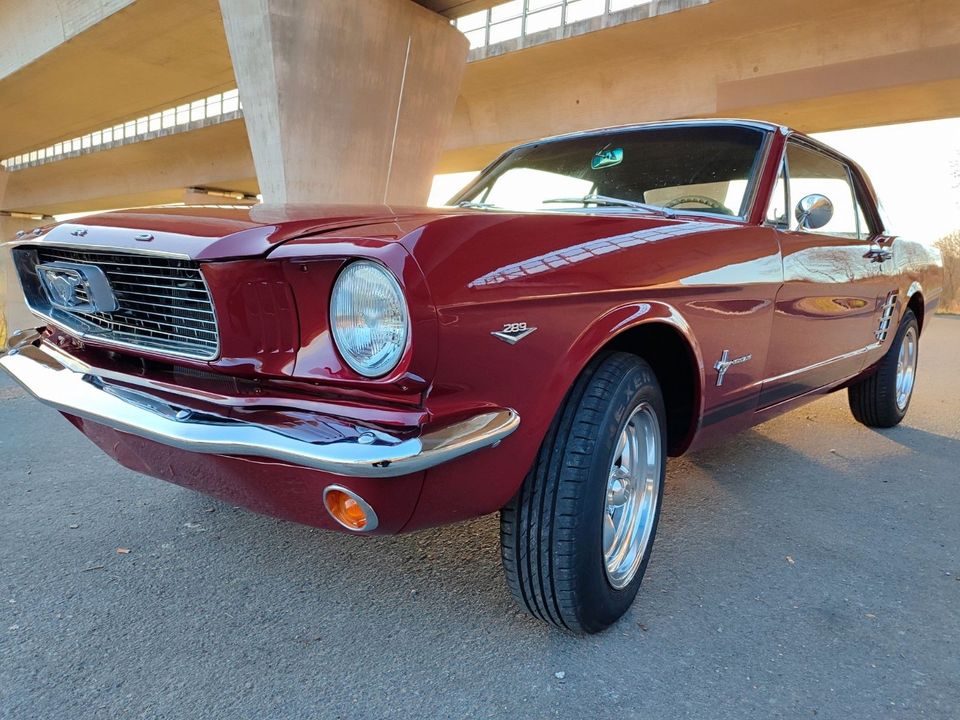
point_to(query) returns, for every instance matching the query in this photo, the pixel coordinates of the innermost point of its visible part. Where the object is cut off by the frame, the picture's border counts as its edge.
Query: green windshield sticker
(607, 157)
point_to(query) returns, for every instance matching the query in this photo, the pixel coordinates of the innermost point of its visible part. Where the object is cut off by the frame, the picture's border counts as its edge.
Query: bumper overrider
(72, 387)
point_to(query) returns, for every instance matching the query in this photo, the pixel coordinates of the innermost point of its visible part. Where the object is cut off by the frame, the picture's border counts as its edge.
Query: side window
(777, 210)
(812, 173)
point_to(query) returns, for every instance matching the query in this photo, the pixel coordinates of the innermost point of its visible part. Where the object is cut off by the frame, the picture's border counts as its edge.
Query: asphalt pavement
(807, 568)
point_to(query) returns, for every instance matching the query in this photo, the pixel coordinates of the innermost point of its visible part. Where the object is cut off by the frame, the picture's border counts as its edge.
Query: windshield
(702, 168)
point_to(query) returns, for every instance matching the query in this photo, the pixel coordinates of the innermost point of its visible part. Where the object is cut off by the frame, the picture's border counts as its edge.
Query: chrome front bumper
(70, 386)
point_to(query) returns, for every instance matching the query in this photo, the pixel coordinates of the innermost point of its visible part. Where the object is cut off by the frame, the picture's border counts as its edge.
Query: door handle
(878, 255)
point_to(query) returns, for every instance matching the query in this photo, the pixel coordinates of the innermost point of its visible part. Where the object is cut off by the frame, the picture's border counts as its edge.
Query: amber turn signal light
(349, 509)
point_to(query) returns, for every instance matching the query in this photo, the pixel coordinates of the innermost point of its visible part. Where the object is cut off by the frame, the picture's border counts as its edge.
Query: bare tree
(949, 247)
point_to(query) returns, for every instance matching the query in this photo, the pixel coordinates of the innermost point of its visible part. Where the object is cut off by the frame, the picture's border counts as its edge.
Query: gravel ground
(807, 568)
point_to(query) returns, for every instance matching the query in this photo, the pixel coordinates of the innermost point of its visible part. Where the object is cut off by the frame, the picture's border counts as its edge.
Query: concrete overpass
(816, 64)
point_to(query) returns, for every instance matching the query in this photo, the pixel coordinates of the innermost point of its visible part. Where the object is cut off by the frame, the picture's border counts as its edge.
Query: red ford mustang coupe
(589, 305)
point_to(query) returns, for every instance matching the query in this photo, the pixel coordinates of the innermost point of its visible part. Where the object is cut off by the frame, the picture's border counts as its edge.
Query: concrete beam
(344, 102)
(68, 67)
(32, 29)
(457, 8)
(154, 172)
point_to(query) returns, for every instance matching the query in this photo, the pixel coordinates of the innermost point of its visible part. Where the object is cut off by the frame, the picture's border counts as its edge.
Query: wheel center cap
(619, 489)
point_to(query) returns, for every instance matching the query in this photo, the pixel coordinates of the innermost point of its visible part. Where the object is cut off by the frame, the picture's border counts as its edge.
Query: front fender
(532, 377)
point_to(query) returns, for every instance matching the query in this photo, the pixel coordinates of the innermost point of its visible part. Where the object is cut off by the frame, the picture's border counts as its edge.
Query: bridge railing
(520, 18)
(185, 116)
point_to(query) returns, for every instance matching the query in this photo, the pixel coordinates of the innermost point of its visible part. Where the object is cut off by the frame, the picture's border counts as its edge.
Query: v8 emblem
(513, 332)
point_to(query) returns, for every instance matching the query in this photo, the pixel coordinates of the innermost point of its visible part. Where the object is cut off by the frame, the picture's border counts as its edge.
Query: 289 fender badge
(513, 332)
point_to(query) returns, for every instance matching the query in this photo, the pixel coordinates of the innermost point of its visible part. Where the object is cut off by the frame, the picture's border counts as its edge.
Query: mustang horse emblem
(724, 364)
(77, 287)
(63, 285)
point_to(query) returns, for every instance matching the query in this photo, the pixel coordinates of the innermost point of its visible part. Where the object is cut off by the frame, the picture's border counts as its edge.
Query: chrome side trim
(822, 363)
(367, 453)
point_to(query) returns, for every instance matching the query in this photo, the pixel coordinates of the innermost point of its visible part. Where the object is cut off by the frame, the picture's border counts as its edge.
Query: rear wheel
(577, 537)
(883, 398)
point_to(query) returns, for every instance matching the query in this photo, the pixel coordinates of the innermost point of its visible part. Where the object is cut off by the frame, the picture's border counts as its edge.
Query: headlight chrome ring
(369, 318)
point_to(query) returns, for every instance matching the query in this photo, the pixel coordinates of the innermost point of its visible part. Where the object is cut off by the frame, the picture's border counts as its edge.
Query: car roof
(702, 122)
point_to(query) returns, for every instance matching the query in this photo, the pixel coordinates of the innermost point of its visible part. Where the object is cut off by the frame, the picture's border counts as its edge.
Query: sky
(915, 169)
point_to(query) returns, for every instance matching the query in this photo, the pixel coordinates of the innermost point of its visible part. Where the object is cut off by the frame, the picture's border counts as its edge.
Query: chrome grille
(164, 304)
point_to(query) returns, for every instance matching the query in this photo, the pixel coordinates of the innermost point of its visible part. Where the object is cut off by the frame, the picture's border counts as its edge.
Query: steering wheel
(701, 199)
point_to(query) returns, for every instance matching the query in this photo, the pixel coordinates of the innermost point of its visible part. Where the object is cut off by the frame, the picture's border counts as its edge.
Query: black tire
(551, 531)
(873, 400)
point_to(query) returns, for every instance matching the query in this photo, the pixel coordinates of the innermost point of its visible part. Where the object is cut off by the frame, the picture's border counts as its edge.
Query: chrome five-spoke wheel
(882, 397)
(906, 367)
(631, 502)
(577, 537)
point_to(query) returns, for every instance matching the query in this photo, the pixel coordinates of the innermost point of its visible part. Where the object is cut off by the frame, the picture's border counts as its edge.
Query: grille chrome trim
(171, 315)
(82, 247)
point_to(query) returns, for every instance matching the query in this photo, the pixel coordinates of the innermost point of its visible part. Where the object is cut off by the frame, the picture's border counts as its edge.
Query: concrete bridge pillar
(13, 312)
(344, 102)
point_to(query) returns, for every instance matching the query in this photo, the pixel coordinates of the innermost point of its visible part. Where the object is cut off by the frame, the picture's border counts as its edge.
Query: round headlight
(369, 318)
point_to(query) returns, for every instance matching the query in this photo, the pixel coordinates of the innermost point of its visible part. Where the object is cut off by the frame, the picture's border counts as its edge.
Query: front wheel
(577, 537)
(882, 398)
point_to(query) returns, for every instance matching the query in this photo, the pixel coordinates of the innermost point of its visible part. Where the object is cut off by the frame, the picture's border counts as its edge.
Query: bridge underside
(814, 64)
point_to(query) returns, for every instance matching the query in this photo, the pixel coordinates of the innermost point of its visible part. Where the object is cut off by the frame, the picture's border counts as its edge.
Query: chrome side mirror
(814, 211)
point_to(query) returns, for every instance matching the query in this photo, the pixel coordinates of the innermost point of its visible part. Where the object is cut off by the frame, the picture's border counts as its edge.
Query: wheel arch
(657, 333)
(915, 302)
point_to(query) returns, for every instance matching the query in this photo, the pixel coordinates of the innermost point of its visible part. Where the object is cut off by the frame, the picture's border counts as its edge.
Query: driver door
(826, 310)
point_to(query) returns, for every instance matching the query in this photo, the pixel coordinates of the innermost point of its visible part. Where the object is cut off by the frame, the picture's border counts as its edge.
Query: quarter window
(862, 224)
(777, 211)
(811, 172)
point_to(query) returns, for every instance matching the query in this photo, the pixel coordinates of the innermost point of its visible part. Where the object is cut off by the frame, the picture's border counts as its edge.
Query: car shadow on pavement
(922, 440)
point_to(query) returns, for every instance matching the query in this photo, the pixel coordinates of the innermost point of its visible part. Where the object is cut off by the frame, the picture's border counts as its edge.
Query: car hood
(226, 232)
(434, 236)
